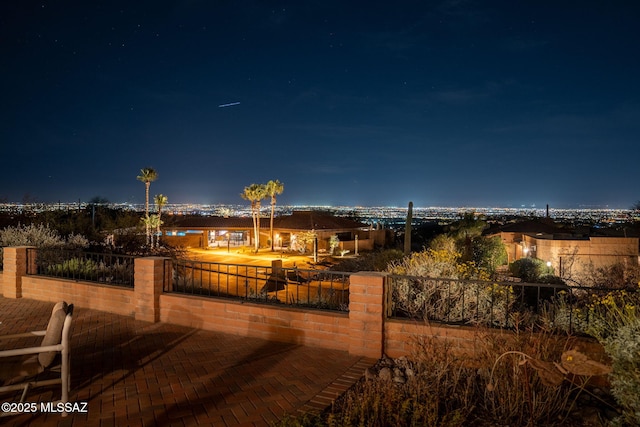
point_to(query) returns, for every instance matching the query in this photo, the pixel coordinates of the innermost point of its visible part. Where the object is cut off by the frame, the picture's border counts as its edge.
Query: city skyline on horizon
(285, 200)
(265, 205)
(443, 103)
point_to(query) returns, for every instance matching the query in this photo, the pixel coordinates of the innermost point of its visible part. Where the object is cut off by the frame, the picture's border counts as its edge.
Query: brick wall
(112, 299)
(468, 341)
(363, 331)
(15, 267)
(366, 314)
(304, 327)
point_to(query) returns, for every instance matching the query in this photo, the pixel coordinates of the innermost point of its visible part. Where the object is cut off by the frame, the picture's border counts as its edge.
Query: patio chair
(31, 367)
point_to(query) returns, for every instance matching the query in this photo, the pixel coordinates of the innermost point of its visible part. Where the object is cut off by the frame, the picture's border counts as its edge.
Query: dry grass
(518, 379)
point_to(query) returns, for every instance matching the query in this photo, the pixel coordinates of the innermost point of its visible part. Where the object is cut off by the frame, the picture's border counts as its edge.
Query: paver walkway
(135, 373)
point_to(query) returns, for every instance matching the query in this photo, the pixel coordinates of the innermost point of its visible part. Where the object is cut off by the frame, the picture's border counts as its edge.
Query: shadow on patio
(137, 373)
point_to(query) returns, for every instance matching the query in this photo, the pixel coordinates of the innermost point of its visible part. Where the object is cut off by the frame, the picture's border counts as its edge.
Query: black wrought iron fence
(292, 286)
(78, 265)
(495, 304)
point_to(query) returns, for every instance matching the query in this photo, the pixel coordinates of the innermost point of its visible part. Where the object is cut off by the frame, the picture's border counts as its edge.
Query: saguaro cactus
(407, 230)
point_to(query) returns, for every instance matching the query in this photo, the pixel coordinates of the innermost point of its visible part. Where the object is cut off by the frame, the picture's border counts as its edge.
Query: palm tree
(160, 201)
(255, 193)
(147, 175)
(273, 188)
(152, 221)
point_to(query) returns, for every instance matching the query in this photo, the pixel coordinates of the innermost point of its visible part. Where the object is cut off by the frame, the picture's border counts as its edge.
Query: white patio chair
(30, 367)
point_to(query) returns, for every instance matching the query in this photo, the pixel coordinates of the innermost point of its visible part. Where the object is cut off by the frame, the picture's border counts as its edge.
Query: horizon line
(325, 206)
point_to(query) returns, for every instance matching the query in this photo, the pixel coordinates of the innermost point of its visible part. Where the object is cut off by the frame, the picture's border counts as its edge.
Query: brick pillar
(148, 279)
(366, 314)
(15, 267)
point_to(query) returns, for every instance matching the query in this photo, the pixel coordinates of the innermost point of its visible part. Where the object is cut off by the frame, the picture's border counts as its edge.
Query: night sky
(371, 103)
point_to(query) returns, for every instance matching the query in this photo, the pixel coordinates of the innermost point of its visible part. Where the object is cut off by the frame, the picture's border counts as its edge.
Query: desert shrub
(595, 312)
(76, 241)
(565, 313)
(435, 285)
(521, 385)
(443, 242)
(489, 253)
(615, 322)
(303, 241)
(74, 267)
(624, 349)
(512, 380)
(453, 301)
(370, 261)
(37, 235)
(618, 275)
(431, 263)
(40, 236)
(613, 319)
(334, 242)
(80, 265)
(529, 269)
(438, 392)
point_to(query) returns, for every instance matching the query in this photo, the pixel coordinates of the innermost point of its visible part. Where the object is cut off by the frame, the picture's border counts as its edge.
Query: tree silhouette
(254, 194)
(273, 189)
(147, 176)
(160, 201)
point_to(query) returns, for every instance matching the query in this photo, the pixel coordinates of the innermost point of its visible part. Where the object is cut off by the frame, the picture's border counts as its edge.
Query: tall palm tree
(274, 188)
(160, 201)
(147, 175)
(255, 193)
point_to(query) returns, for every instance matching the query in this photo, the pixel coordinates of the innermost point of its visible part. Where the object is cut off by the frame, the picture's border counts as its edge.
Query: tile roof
(298, 220)
(315, 220)
(198, 221)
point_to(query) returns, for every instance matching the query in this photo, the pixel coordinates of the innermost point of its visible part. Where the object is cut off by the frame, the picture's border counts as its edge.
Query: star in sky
(445, 103)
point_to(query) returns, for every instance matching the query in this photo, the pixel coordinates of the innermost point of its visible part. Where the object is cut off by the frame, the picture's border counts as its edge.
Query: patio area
(137, 373)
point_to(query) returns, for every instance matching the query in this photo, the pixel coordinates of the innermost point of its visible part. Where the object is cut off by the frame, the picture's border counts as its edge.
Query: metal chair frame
(64, 367)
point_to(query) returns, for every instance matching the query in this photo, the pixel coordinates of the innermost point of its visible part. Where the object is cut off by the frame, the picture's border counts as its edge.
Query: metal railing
(103, 268)
(494, 304)
(318, 289)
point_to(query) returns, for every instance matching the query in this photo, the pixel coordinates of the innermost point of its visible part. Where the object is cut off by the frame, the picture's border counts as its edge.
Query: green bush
(75, 267)
(529, 269)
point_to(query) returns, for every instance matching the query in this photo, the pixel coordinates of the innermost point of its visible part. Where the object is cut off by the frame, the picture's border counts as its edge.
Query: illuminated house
(569, 253)
(202, 232)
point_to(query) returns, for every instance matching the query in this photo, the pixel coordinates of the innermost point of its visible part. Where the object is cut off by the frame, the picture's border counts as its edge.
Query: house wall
(512, 245)
(577, 258)
(378, 238)
(186, 241)
(364, 245)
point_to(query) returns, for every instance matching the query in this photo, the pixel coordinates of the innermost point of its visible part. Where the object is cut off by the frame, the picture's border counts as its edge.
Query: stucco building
(570, 253)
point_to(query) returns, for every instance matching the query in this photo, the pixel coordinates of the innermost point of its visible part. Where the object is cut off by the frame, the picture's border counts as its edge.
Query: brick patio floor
(135, 373)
